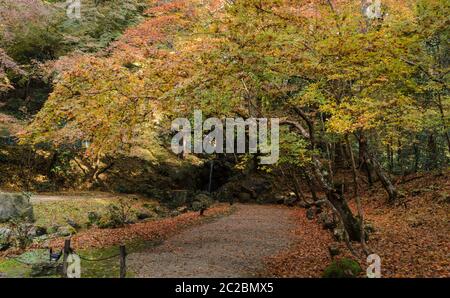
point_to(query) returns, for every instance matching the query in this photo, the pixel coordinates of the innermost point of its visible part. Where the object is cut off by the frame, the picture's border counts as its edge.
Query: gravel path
(232, 246)
(68, 196)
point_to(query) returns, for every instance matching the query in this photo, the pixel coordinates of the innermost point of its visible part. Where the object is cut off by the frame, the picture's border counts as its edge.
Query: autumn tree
(339, 80)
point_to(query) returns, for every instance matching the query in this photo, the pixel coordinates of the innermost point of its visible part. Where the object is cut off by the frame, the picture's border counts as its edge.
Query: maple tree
(327, 70)
(6, 64)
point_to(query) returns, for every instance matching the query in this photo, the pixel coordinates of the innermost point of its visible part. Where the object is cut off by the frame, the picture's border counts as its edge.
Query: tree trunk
(432, 153)
(444, 124)
(390, 157)
(298, 192)
(295, 185)
(364, 165)
(351, 224)
(385, 180)
(100, 170)
(372, 162)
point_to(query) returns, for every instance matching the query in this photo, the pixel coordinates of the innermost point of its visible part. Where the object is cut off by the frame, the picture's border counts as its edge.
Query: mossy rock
(201, 201)
(65, 231)
(5, 239)
(343, 268)
(93, 218)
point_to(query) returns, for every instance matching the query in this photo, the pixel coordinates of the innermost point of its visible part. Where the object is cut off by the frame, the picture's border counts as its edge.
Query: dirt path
(233, 246)
(65, 196)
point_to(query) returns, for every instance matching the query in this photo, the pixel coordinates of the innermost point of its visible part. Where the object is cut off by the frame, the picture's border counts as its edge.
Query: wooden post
(65, 256)
(123, 265)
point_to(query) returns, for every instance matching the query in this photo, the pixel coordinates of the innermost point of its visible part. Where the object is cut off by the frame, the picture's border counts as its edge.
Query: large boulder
(15, 205)
(176, 198)
(5, 238)
(46, 269)
(327, 220)
(201, 201)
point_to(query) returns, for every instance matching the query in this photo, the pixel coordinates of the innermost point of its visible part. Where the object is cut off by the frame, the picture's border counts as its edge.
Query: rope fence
(97, 260)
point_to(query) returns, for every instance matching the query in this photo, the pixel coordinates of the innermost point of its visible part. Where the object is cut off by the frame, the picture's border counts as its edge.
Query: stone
(174, 213)
(290, 201)
(93, 218)
(369, 228)
(247, 189)
(415, 192)
(65, 231)
(182, 209)
(159, 210)
(280, 199)
(15, 205)
(42, 238)
(143, 215)
(224, 195)
(5, 238)
(5, 232)
(310, 213)
(41, 231)
(414, 222)
(52, 229)
(327, 221)
(443, 198)
(339, 234)
(333, 250)
(46, 269)
(37, 231)
(303, 204)
(73, 224)
(244, 197)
